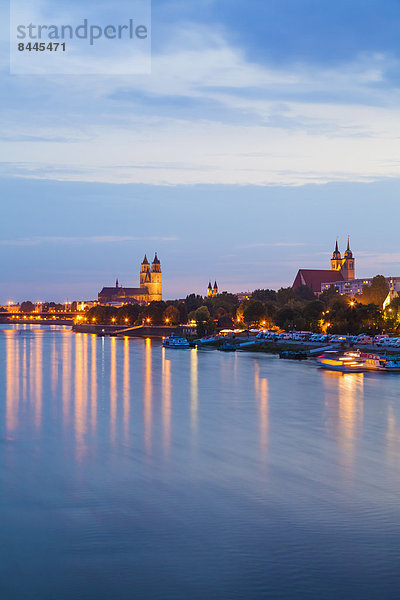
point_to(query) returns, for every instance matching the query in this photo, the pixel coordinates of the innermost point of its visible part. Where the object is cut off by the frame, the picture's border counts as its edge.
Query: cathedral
(345, 265)
(149, 290)
(212, 291)
(341, 273)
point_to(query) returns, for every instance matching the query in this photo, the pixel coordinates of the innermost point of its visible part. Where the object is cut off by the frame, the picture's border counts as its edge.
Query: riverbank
(148, 331)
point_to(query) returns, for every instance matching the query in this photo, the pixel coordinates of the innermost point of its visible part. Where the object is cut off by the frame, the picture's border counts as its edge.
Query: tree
(103, 315)
(289, 318)
(204, 323)
(202, 314)
(264, 295)
(241, 308)
(303, 292)
(193, 302)
(312, 313)
(27, 306)
(392, 316)
(128, 314)
(329, 296)
(183, 313)
(225, 322)
(284, 295)
(171, 315)
(227, 302)
(153, 313)
(254, 313)
(376, 292)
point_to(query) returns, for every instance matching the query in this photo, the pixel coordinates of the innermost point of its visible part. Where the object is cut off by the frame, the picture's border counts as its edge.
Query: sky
(265, 130)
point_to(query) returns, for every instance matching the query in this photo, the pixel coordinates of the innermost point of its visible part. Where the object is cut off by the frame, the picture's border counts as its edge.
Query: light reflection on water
(132, 471)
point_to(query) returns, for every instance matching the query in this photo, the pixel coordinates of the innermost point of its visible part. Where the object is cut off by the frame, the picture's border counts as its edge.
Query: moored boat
(228, 347)
(350, 362)
(175, 342)
(293, 354)
(375, 362)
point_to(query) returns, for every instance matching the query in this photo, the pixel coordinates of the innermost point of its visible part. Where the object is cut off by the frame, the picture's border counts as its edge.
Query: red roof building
(314, 278)
(342, 269)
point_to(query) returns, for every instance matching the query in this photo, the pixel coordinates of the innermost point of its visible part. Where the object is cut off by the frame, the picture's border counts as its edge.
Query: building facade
(150, 282)
(352, 287)
(341, 274)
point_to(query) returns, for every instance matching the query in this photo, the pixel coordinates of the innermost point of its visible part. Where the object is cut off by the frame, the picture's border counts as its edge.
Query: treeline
(285, 309)
(208, 313)
(300, 310)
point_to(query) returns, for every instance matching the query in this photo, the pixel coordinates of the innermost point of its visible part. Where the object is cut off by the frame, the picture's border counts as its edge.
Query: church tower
(155, 280)
(215, 289)
(209, 290)
(348, 264)
(144, 272)
(336, 260)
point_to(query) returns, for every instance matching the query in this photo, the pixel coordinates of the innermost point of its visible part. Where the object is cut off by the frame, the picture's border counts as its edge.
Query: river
(129, 471)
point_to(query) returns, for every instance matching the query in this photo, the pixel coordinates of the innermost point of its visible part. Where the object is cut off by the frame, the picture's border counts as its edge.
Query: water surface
(129, 471)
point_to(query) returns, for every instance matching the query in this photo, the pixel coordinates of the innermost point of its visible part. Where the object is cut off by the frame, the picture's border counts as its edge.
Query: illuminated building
(212, 291)
(342, 270)
(150, 287)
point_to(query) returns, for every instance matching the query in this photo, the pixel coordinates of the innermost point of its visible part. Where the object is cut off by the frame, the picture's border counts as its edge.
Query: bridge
(36, 317)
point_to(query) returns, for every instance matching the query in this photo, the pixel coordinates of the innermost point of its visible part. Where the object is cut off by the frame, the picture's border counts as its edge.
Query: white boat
(375, 362)
(176, 342)
(350, 362)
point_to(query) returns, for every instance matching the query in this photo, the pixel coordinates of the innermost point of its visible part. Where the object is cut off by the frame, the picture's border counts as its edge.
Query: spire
(209, 286)
(336, 252)
(145, 261)
(348, 253)
(156, 261)
(117, 283)
(215, 286)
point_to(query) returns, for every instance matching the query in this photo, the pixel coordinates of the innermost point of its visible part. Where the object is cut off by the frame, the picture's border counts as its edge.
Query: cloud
(273, 245)
(288, 125)
(99, 239)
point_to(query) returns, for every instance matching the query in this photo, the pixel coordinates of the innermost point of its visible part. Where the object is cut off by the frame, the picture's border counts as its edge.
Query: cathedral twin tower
(150, 289)
(150, 278)
(345, 265)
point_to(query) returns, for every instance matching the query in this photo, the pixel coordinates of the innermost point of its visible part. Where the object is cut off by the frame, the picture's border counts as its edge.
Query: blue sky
(265, 130)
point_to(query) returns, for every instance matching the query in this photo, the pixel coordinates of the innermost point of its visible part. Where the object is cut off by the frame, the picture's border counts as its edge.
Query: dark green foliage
(312, 314)
(153, 313)
(264, 295)
(193, 302)
(376, 292)
(254, 313)
(303, 292)
(284, 295)
(27, 306)
(329, 295)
